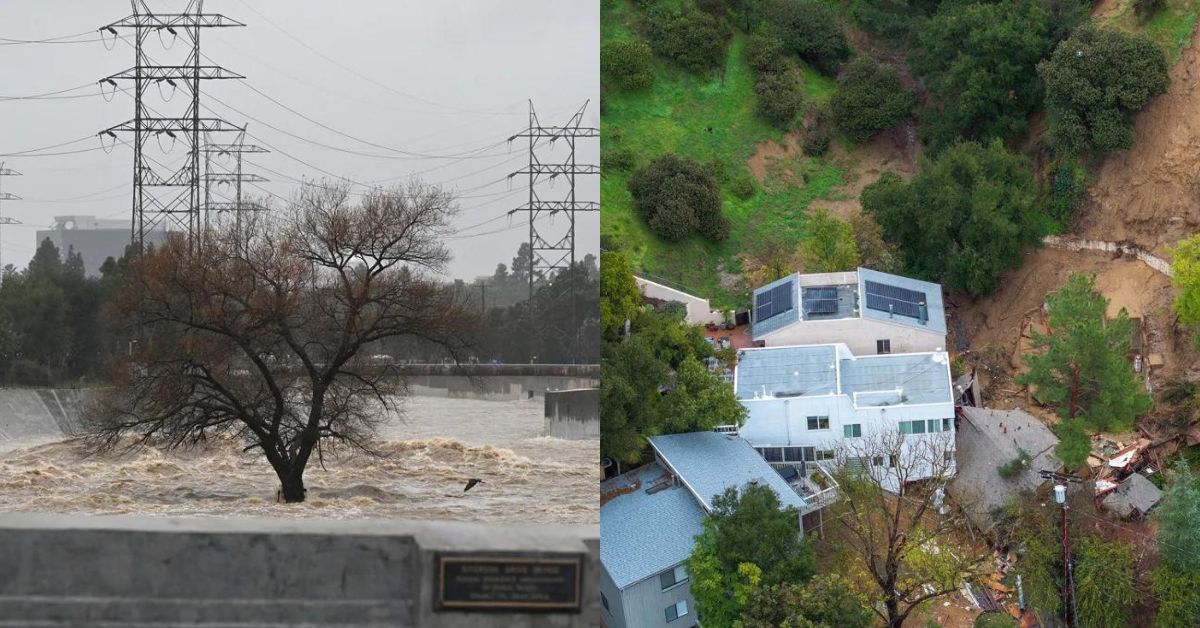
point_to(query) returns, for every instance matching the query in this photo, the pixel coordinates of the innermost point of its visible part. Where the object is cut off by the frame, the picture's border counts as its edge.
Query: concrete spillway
(39, 414)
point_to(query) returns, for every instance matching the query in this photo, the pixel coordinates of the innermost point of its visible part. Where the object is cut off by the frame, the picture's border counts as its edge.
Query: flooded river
(428, 456)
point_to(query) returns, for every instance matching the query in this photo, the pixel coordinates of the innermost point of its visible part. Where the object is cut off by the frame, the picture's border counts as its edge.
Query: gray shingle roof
(1136, 495)
(642, 534)
(709, 463)
(933, 300)
(787, 371)
(921, 378)
(982, 445)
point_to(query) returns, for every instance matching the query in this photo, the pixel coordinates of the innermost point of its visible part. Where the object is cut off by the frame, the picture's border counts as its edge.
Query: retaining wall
(59, 571)
(28, 414)
(573, 414)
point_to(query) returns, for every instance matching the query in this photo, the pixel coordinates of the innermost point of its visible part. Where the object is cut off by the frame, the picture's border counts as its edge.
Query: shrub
(1095, 81)
(781, 95)
(617, 158)
(808, 29)
(742, 187)
(691, 38)
(627, 63)
(1147, 8)
(1014, 467)
(678, 197)
(763, 51)
(869, 99)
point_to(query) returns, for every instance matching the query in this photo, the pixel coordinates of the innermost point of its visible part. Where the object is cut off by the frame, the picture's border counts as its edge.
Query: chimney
(891, 310)
(922, 313)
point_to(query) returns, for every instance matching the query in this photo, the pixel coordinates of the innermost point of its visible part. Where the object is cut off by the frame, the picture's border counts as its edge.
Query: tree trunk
(291, 483)
(895, 619)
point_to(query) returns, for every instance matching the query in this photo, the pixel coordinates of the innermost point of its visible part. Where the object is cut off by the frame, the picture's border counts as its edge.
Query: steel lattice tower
(164, 198)
(233, 176)
(554, 253)
(5, 196)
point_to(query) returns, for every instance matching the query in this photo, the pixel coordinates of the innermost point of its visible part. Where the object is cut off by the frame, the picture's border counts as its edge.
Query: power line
(344, 67)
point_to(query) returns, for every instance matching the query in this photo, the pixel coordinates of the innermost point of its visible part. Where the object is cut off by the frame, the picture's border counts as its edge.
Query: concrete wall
(498, 388)
(573, 414)
(699, 311)
(31, 414)
(64, 571)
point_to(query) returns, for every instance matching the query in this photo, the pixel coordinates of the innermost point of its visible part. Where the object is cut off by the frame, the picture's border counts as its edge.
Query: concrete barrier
(59, 571)
(573, 414)
(40, 413)
(496, 388)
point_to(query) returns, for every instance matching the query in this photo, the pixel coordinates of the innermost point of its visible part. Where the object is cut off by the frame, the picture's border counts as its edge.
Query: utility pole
(483, 297)
(554, 253)
(166, 198)
(5, 196)
(233, 176)
(1070, 617)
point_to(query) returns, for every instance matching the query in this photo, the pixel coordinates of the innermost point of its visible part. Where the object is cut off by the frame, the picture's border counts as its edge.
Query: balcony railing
(816, 486)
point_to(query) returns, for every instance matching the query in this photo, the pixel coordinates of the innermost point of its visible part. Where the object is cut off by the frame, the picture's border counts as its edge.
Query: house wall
(859, 334)
(784, 422)
(645, 604)
(699, 312)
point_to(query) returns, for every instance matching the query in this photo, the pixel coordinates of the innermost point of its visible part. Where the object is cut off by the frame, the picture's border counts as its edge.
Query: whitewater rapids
(429, 454)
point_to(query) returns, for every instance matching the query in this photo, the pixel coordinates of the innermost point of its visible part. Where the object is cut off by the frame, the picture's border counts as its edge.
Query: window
(853, 430)
(883, 346)
(824, 454)
(818, 422)
(604, 601)
(673, 577)
(948, 456)
(677, 610)
(947, 425)
(934, 425)
(877, 461)
(893, 461)
(793, 454)
(912, 427)
(810, 454)
(772, 454)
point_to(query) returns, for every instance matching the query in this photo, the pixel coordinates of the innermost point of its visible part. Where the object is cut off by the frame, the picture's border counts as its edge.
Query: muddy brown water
(430, 453)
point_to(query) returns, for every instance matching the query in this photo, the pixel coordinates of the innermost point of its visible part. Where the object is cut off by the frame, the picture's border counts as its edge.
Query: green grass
(1170, 28)
(710, 119)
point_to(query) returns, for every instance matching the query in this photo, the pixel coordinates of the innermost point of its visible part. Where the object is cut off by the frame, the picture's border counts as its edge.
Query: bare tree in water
(263, 334)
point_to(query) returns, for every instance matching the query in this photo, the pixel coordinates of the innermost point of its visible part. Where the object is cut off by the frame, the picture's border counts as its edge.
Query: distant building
(803, 401)
(870, 311)
(650, 516)
(95, 239)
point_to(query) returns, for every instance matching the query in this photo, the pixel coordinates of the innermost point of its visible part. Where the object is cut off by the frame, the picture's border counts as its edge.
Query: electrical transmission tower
(231, 176)
(5, 196)
(167, 198)
(552, 248)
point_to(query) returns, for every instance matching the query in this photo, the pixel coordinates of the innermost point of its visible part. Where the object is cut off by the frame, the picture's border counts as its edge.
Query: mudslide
(1150, 195)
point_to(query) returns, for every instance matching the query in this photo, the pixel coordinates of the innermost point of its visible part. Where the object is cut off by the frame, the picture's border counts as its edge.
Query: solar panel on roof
(821, 306)
(772, 302)
(894, 299)
(823, 292)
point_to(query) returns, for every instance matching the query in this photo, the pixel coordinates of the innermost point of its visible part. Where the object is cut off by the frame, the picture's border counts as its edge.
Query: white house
(803, 401)
(870, 311)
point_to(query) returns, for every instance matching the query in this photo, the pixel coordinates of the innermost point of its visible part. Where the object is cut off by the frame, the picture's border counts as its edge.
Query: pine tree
(1083, 369)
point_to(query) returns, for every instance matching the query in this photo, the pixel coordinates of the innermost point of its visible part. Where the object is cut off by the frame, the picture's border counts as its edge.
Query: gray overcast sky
(450, 77)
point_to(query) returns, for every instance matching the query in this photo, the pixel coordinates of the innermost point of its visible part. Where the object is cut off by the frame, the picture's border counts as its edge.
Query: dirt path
(1150, 194)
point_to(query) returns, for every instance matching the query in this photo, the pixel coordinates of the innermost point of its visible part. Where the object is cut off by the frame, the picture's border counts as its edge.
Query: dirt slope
(1150, 194)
